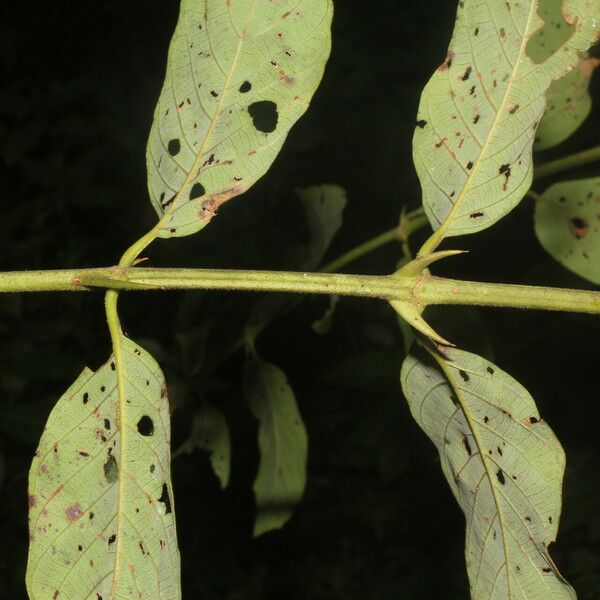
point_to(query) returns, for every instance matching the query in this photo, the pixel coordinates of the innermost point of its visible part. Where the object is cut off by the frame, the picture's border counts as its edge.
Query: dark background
(79, 83)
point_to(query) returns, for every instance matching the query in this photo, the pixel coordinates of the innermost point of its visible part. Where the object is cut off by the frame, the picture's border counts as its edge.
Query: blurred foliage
(79, 85)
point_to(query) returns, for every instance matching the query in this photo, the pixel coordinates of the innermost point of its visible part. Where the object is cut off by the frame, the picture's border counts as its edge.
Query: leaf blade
(100, 495)
(211, 434)
(283, 444)
(504, 466)
(568, 99)
(216, 130)
(566, 225)
(480, 110)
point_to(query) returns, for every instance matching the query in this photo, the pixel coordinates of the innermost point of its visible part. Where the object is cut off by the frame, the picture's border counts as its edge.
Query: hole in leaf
(197, 191)
(174, 147)
(145, 426)
(165, 499)
(264, 115)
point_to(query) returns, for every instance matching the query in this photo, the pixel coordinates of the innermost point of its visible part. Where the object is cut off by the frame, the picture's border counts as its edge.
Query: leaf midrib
(218, 111)
(482, 451)
(441, 232)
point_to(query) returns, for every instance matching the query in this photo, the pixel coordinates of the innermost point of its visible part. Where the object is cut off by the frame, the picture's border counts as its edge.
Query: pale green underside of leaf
(240, 73)
(568, 100)
(101, 519)
(567, 224)
(283, 445)
(504, 466)
(479, 112)
(211, 434)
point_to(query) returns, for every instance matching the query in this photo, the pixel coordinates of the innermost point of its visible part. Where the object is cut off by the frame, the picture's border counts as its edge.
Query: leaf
(568, 99)
(283, 445)
(239, 75)
(567, 225)
(101, 513)
(504, 465)
(480, 111)
(322, 326)
(211, 433)
(324, 208)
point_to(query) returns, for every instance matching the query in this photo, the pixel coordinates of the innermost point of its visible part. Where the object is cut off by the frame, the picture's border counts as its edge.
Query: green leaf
(504, 465)
(101, 518)
(568, 227)
(322, 326)
(211, 433)
(568, 99)
(480, 111)
(283, 445)
(324, 208)
(239, 75)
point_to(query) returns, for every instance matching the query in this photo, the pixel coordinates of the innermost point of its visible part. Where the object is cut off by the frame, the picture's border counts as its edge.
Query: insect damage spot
(264, 115)
(421, 123)
(467, 446)
(505, 170)
(465, 76)
(447, 63)
(245, 87)
(579, 227)
(464, 375)
(74, 512)
(500, 476)
(145, 426)
(86, 398)
(197, 191)
(112, 539)
(174, 146)
(111, 469)
(165, 498)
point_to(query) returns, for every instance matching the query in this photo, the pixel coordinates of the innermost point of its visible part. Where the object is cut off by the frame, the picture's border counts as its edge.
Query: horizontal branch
(435, 290)
(422, 291)
(137, 279)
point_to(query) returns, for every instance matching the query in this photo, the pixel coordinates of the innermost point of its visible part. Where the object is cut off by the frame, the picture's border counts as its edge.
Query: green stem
(435, 290)
(362, 250)
(411, 222)
(534, 196)
(421, 291)
(568, 162)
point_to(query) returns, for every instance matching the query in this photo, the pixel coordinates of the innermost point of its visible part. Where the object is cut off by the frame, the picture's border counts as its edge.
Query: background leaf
(211, 433)
(504, 466)
(239, 75)
(568, 227)
(102, 520)
(479, 112)
(324, 208)
(568, 100)
(283, 444)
